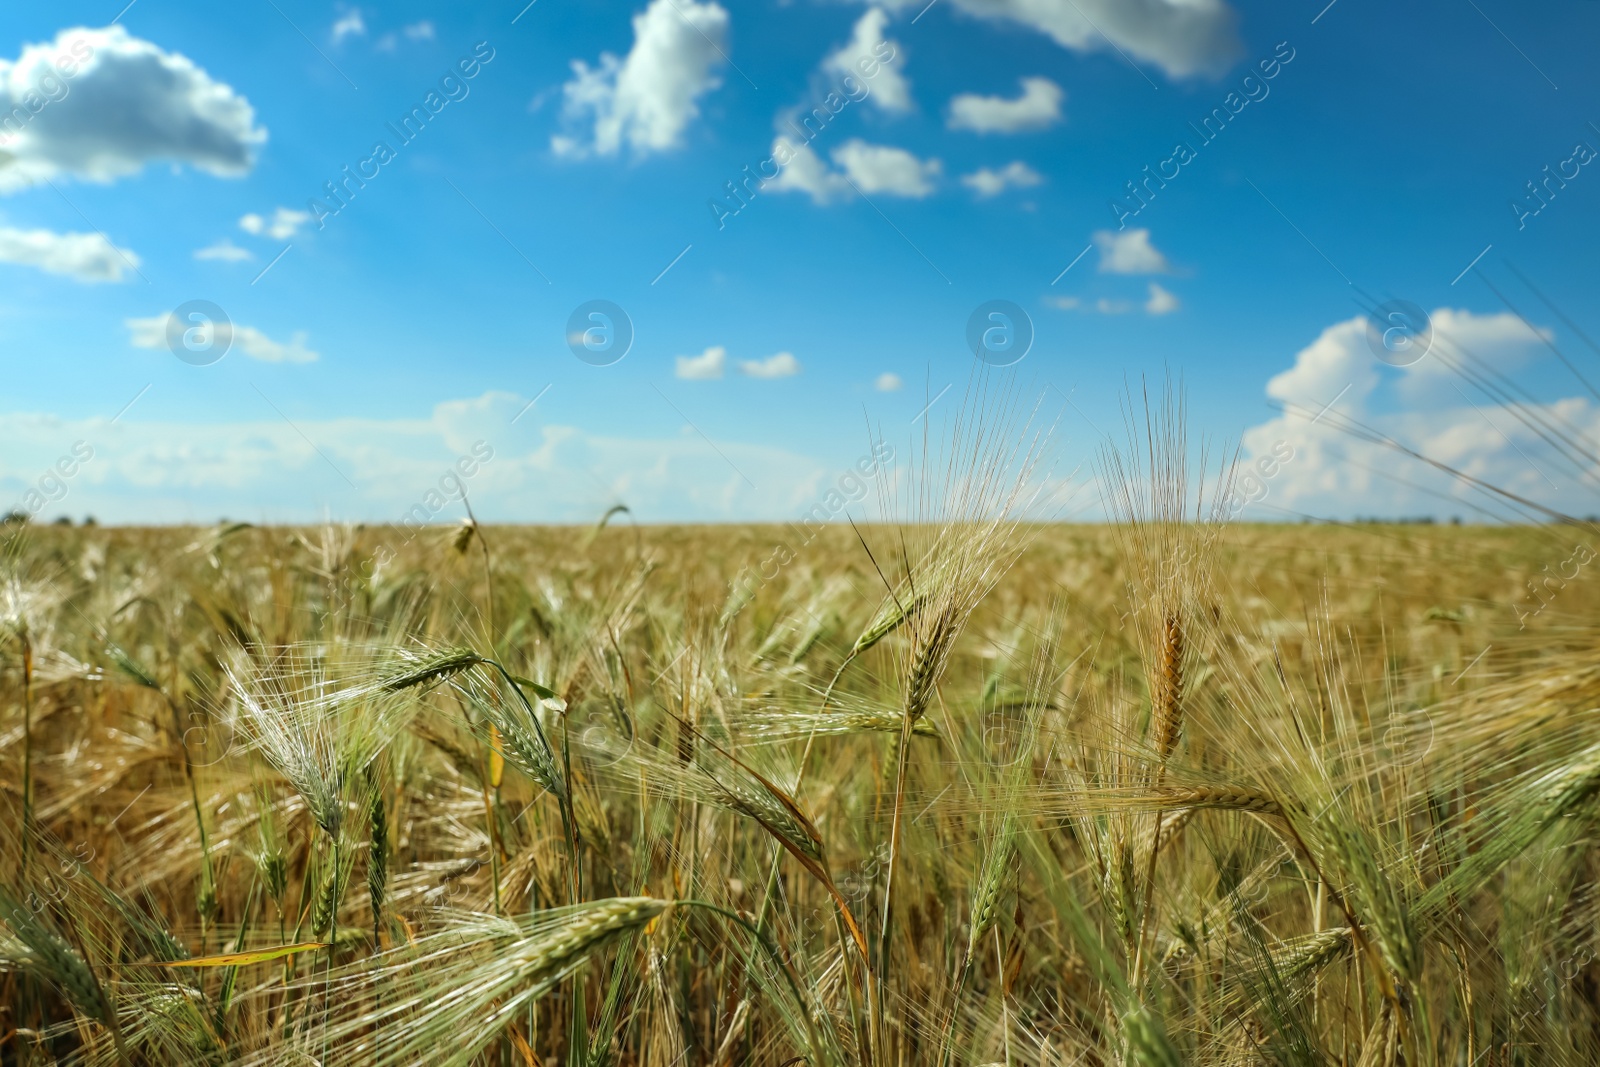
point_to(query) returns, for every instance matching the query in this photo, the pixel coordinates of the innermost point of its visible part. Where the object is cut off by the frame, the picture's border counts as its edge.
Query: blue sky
(580, 160)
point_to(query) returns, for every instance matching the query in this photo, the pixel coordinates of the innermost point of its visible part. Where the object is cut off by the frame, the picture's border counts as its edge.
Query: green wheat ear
(274, 871)
(132, 667)
(454, 992)
(434, 668)
(888, 619)
(991, 881)
(56, 960)
(377, 856)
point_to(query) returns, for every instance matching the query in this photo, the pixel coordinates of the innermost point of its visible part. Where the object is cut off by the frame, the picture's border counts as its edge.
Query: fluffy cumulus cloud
(647, 99)
(100, 104)
(872, 168)
(868, 45)
(884, 169)
(1129, 252)
(83, 257)
(281, 225)
(782, 365)
(987, 182)
(264, 469)
(152, 333)
(1038, 107)
(1182, 37)
(806, 172)
(704, 367)
(1336, 382)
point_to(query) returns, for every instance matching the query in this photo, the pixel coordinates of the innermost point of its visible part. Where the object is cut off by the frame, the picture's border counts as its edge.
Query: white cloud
(126, 103)
(349, 25)
(1107, 306)
(707, 365)
(648, 99)
(224, 251)
(782, 365)
(1129, 252)
(807, 173)
(1480, 331)
(263, 469)
(1161, 302)
(257, 345)
(1182, 37)
(420, 31)
(284, 223)
(1334, 473)
(888, 382)
(84, 257)
(1015, 175)
(873, 168)
(1038, 107)
(1337, 362)
(1065, 303)
(152, 333)
(1505, 336)
(889, 88)
(1342, 356)
(882, 169)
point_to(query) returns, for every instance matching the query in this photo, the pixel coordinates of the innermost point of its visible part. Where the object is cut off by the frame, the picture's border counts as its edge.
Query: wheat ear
(1226, 797)
(377, 858)
(1168, 703)
(445, 664)
(54, 958)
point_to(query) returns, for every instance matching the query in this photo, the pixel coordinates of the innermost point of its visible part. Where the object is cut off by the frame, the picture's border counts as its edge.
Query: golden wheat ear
(1167, 527)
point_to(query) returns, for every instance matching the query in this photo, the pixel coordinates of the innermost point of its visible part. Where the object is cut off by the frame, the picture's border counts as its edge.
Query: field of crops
(961, 792)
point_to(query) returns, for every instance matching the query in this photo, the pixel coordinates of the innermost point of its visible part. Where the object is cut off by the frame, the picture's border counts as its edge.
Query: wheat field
(960, 790)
